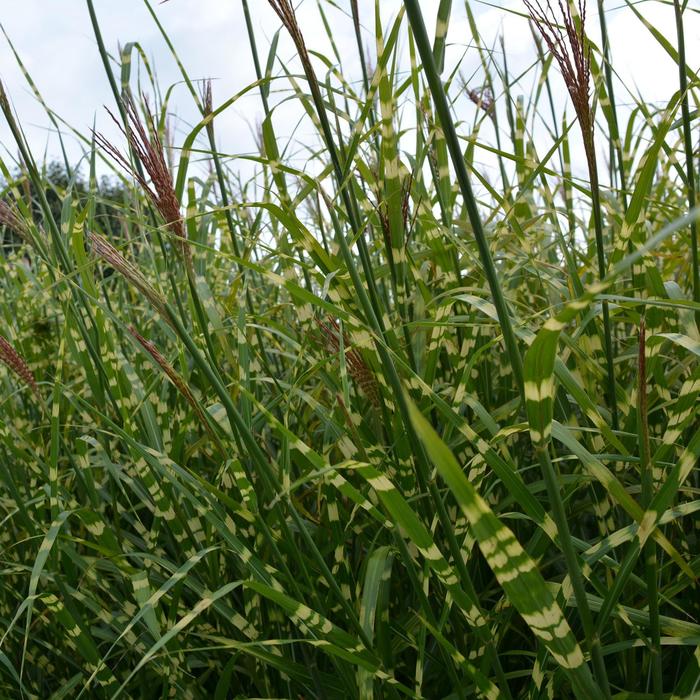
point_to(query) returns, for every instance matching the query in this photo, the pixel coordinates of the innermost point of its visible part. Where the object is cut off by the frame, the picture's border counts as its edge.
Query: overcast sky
(55, 41)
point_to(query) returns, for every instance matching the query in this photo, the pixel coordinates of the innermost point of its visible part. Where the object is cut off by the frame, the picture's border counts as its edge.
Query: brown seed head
(482, 98)
(148, 148)
(172, 375)
(285, 11)
(12, 219)
(357, 367)
(16, 363)
(167, 368)
(568, 45)
(206, 98)
(102, 248)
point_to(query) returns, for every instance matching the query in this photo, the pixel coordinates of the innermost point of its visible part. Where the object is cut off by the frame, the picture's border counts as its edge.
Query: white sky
(54, 39)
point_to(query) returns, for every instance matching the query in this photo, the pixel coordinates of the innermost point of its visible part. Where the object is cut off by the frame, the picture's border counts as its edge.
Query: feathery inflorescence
(285, 11)
(15, 362)
(178, 382)
(482, 98)
(103, 249)
(567, 43)
(12, 219)
(207, 102)
(357, 367)
(316, 477)
(147, 148)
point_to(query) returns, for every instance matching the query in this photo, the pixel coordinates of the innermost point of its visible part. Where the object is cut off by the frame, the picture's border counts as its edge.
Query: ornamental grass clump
(368, 450)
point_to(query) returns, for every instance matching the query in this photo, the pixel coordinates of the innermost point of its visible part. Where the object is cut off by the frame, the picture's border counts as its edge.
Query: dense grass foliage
(392, 424)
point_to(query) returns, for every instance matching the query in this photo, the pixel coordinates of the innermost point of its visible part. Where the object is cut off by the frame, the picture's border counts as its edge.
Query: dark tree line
(111, 199)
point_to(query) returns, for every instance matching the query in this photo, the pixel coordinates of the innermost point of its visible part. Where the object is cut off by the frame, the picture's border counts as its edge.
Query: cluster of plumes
(357, 367)
(483, 99)
(148, 149)
(16, 363)
(178, 382)
(103, 249)
(12, 219)
(568, 45)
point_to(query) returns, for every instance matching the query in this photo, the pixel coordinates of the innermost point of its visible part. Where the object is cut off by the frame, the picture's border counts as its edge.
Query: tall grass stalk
(647, 479)
(568, 43)
(688, 146)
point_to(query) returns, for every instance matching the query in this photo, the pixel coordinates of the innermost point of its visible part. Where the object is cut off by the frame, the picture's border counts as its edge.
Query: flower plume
(12, 219)
(16, 363)
(357, 367)
(148, 149)
(173, 376)
(103, 249)
(567, 43)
